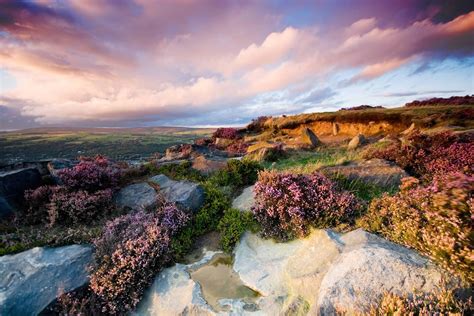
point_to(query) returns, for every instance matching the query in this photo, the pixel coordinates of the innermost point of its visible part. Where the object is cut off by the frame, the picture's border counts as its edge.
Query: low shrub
(455, 100)
(90, 174)
(287, 205)
(425, 156)
(205, 220)
(238, 147)
(78, 207)
(226, 132)
(232, 225)
(258, 125)
(237, 173)
(435, 219)
(56, 205)
(131, 250)
(442, 302)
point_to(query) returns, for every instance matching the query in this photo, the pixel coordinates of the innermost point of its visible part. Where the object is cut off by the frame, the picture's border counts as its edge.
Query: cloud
(77, 61)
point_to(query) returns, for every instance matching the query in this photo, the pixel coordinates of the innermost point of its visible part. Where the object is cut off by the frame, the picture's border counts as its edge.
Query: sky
(215, 63)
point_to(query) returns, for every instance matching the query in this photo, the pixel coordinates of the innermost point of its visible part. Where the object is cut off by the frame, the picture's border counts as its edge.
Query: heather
(442, 302)
(226, 133)
(91, 174)
(426, 156)
(455, 100)
(435, 219)
(83, 195)
(288, 205)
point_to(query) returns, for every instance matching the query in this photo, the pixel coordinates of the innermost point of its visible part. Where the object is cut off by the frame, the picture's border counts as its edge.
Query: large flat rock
(137, 196)
(187, 195)
(31, 280)
(329, 272)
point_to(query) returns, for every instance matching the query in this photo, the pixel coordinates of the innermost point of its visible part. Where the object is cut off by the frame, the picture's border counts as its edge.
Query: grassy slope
(421, 116)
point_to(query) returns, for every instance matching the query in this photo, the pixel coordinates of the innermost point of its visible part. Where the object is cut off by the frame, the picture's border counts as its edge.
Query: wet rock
(13, 185)
(245, 201)
(310, 138)
(31, 280)
(137, 196)
(173, 293)
(187, 195)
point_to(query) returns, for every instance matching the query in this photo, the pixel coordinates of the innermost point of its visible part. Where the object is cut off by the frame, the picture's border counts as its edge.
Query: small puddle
(219, 281)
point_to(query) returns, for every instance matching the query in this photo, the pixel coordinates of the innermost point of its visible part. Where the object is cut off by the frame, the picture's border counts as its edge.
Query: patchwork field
(117, 143)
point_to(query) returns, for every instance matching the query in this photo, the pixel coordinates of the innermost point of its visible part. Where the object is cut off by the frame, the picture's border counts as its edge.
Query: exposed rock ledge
(319, 275)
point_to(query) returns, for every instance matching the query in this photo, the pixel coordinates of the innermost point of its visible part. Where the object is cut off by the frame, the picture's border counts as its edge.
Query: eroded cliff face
(350, 129)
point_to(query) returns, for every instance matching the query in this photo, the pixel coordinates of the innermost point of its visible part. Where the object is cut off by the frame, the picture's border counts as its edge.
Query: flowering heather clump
(436, 219)
(90, 174)
(78, 207)
(443, 302)
(226, 132)
(287, 205)
(85, 193)
(203, 141)
(429, 155)
(455, 100)
(131, 250)
(238, 147)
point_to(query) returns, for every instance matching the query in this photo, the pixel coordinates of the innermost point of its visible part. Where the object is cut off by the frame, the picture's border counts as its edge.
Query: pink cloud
(81, 61)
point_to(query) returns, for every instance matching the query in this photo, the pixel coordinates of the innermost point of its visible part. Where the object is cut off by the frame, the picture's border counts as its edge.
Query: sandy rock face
(328, 272)
(310, 138)
(356, 142)
(30, 280)
(245, 201)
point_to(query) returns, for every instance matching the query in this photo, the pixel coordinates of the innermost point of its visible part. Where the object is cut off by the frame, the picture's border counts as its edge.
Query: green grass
(307, 162)
(363, 190)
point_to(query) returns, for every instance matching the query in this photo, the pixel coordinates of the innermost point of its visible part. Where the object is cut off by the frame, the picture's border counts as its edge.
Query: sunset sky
(196, 63)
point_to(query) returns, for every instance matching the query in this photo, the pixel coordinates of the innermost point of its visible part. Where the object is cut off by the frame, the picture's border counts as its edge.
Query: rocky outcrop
(173, 293)
(13, 185)
(187, 195)
(328, 272)
(309, 138)
(265, 151)
(207, 166)
(409, 129)
(356, 142)
(31, 280)
(376, 171)
(137, 196)
(245, 200)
